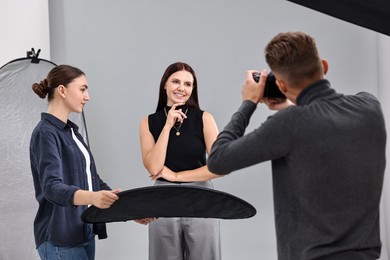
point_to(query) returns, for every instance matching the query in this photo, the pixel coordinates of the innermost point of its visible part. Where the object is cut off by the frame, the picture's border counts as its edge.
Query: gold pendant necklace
(177, 128)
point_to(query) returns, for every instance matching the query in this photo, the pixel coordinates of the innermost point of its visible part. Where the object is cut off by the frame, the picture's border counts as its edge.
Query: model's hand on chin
(174, 115)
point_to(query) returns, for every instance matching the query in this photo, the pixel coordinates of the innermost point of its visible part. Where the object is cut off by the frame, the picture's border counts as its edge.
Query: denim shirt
(58, 169)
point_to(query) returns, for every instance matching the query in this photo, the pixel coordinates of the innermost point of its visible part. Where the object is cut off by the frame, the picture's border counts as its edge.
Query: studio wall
(124, 47)
(24, 25)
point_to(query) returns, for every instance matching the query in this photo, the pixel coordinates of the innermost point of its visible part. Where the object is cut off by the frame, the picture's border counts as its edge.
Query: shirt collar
(58, 123)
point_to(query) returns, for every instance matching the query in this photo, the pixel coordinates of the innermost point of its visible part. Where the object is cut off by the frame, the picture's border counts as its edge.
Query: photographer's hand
(277, 103)
(251, 90)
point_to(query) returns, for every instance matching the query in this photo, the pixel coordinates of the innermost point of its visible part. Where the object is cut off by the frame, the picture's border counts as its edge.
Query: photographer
(327, 153)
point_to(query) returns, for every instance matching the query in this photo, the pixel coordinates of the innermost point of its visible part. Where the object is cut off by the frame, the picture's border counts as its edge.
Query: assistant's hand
(103, 199)
(144, 221)
(251, 90)
(277, 103)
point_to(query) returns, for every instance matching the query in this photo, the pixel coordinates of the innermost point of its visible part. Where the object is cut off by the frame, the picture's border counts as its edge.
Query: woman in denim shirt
(64, 171)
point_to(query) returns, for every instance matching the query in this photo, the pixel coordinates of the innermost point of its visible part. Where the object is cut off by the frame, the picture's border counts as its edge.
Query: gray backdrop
(124, 47)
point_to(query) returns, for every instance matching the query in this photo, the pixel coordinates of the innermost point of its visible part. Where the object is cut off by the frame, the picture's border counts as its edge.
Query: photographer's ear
(281, 85)
(325, 66)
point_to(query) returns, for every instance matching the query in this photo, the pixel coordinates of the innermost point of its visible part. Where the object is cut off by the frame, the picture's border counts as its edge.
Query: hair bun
(41, 88)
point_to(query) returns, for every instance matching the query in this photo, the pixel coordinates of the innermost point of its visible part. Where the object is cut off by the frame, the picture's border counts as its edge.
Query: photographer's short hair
(294, 55)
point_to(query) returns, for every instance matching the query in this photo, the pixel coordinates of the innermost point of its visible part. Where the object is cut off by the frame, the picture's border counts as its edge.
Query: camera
(271, 90)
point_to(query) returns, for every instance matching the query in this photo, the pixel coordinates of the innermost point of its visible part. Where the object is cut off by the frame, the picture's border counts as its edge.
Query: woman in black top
(174, 143)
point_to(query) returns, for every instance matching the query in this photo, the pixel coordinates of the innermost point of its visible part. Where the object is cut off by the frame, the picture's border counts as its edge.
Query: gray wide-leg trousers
(184, 238)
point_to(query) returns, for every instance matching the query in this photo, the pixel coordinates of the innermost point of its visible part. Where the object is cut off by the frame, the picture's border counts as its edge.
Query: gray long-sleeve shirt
(328, 161)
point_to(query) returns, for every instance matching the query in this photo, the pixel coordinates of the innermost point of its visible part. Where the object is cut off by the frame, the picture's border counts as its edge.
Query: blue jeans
(86, 251)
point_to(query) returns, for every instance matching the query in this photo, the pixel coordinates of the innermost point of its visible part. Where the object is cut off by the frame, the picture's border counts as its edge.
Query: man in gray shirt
(327, 151)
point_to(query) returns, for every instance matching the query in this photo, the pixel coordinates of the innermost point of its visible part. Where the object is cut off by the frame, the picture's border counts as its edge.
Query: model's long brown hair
(163, 98)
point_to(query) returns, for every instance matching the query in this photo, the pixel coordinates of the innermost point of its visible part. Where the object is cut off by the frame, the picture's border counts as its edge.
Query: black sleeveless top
(188, 150)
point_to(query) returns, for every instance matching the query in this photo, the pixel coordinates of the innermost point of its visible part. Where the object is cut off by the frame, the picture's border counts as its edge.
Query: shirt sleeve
(50, 169)
(233, 150)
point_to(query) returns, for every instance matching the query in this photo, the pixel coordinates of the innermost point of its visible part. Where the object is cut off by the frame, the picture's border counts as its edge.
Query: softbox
(373, 14)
